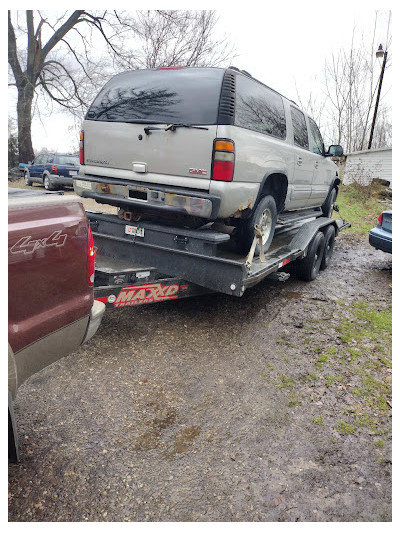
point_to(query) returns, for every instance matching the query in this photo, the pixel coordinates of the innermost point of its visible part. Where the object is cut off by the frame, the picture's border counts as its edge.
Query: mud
(216, 408)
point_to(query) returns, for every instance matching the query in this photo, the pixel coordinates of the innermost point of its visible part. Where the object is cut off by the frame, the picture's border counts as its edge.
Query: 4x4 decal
(27, 245)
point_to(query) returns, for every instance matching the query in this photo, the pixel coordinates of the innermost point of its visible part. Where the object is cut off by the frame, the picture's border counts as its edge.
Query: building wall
(365, 166)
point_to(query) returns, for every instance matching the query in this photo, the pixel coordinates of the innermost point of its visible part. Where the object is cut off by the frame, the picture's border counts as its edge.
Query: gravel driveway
(271, 407)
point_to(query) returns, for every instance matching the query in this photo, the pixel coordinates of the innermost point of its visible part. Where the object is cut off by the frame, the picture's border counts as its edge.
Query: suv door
(322, 174)
(36, 168)
(303, 162)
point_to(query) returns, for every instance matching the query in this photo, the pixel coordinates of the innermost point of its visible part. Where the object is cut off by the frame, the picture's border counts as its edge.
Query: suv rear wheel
(47, 183)
(264, 215)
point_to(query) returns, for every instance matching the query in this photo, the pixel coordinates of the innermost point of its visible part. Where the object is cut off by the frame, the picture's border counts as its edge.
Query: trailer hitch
(258, 237)
(129, 216)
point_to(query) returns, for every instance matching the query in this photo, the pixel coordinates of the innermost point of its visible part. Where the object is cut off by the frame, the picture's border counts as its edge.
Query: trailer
(144, 262)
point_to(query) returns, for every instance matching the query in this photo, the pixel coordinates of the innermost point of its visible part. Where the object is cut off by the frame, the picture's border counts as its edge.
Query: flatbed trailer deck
(144, 262)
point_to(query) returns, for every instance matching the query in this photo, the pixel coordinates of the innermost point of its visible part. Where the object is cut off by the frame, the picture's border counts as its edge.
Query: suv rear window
(68, 160)
(180, 96)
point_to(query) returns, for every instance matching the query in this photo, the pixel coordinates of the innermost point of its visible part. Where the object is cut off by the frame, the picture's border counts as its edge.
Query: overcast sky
(283, 44)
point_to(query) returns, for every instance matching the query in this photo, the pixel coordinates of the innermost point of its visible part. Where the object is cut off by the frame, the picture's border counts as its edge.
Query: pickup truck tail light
(223, 160)
(90, 259)
(380, 219)
(81, 148)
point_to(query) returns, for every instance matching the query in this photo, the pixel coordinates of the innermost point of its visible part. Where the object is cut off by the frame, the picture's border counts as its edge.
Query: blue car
(54, 171)
(380, 237)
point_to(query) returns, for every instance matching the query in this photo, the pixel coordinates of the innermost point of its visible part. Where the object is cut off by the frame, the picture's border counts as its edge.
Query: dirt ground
(271, 407)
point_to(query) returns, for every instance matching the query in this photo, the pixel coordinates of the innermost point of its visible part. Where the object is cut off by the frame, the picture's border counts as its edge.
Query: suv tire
(47, 183)
(27, 179)
(265, 215)
(327, 208)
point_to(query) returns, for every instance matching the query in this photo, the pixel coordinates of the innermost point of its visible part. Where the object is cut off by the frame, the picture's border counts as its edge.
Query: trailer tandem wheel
(307, 268)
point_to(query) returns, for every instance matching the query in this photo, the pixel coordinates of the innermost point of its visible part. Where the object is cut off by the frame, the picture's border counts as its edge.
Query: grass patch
(285, 382)
(344, 428)
(360, 206)
(330, 380)
(366, 323)
(317, 420)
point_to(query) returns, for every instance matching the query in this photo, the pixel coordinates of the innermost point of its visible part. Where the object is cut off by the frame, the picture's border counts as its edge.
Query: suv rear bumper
(149, 197)
(57, 179)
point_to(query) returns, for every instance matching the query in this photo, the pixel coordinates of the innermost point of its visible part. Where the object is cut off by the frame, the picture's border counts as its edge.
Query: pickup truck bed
(51, 307)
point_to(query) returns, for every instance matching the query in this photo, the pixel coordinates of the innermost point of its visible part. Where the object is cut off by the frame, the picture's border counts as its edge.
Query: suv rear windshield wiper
(173, 127)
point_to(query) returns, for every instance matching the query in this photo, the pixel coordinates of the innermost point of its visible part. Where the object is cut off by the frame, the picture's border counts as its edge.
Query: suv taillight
(223, 160)
(81, 148)
(54, 169)
(90, 258)
(380, 219)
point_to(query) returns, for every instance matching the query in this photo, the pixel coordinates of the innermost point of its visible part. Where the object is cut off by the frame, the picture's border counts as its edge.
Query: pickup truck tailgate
(47, 248)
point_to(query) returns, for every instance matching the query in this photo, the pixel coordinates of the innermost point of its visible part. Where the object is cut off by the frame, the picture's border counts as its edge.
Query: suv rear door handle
(299, 160)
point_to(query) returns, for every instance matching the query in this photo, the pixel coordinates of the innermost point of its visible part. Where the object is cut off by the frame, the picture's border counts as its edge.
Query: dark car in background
(380, 237)
(54, 171)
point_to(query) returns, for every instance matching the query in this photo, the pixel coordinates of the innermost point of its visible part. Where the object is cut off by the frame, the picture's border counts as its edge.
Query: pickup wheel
(308, 267)
(330, 236)
(27, 179)
(265, 215)
(327, 208)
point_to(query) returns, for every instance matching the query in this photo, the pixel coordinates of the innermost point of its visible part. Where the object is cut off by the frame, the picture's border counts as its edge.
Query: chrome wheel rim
(266, 224)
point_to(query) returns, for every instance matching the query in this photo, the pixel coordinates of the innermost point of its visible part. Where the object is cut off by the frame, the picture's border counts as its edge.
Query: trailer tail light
(380, 219)
(81, 148)
(223, 160)
(90, 259)
(54, 169)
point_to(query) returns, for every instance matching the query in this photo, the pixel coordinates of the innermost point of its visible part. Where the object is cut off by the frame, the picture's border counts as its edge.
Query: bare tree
(64, 60)
(351, 80)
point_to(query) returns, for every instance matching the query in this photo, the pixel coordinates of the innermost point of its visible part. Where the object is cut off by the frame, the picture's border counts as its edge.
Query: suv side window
(316, 137)
(259, 108)
(39, 160)
(299, 128)
(50, 159)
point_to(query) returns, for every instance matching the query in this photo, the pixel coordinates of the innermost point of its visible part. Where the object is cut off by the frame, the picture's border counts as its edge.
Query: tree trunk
(24, 112)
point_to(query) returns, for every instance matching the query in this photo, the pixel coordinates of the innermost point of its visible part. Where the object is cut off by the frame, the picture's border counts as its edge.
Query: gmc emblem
(198, 171)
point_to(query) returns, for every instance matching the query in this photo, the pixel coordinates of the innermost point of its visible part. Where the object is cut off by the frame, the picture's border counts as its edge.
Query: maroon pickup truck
(51, 310)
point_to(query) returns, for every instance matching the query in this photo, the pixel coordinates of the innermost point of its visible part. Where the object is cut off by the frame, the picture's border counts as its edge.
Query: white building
(367, 165)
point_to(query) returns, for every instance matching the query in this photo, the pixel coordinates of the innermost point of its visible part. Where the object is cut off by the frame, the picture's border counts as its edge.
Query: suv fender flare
(265, 189)
(334, 183)
(46, 173)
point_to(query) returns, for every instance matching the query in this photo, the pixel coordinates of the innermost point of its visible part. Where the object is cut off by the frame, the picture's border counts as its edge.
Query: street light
(379, 54)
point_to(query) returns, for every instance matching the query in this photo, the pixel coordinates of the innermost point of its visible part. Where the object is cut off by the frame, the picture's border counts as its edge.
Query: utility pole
(379, 53)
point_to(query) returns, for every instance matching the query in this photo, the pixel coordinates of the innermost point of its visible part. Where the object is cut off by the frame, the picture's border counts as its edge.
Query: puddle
(184, 439)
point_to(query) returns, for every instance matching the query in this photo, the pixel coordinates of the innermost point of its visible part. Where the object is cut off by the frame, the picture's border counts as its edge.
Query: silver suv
(190, 145)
